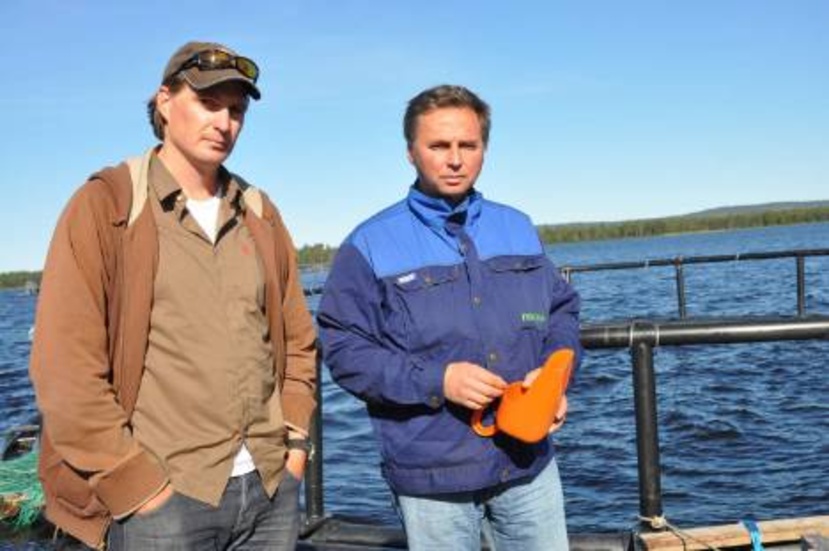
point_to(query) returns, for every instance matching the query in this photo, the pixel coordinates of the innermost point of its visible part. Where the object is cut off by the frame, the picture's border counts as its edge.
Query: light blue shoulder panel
(394, 241)
(504, 231)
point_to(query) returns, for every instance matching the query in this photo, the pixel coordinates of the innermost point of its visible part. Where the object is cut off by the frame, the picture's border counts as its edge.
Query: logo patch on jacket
(406, 278)
(534, 317)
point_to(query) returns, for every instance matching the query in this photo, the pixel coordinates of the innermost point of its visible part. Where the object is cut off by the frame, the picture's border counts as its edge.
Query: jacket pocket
(522, 293)
(429, 306)
(426, 278)
(70, 490)
(74, 493)
(507, 264)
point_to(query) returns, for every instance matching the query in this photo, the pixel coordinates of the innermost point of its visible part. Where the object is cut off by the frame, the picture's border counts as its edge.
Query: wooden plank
(735, 535)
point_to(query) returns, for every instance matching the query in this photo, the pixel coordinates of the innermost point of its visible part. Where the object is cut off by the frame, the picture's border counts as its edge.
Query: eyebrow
(215, 95)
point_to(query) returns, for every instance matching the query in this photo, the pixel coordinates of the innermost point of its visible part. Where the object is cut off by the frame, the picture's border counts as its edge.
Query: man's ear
(162, 102)
(409, 155)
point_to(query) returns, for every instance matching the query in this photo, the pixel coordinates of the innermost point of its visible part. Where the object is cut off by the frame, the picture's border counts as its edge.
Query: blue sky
(602, 110)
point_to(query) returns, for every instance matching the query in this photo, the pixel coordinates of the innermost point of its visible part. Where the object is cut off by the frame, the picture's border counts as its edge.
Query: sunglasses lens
(218, 59)
(247, 68)
(215, 59)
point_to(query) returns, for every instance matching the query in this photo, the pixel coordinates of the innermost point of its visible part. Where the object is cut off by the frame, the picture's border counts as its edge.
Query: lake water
(744, 429)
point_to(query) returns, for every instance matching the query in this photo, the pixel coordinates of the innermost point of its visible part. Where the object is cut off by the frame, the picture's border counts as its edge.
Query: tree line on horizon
(595, 231)
(11, 280)
(321, 254)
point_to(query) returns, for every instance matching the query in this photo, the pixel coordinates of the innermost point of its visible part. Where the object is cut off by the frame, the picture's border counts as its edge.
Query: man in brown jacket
(174, 358)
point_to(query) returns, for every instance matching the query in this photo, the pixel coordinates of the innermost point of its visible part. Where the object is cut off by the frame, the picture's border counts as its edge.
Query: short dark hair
(445, 95)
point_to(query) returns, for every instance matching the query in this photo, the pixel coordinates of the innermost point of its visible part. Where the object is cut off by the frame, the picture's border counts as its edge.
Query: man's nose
(221, 119)
(455, 157)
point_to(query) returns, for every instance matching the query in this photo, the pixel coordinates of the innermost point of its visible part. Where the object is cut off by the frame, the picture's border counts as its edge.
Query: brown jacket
(91, 336)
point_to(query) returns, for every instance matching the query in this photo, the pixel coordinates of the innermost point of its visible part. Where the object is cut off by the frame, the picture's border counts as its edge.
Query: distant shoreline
(725, 219)
(717, 220)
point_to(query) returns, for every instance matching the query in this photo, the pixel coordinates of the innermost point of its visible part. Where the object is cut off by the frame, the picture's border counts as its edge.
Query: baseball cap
(206, 64)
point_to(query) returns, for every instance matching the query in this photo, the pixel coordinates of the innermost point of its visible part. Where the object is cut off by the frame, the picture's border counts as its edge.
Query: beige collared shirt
(209, 383)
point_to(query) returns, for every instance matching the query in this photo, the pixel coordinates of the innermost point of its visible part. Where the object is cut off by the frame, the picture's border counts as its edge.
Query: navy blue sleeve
(563, 318)
(363, 355)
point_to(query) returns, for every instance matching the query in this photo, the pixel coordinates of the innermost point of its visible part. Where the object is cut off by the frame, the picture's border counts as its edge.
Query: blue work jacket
(423, 284)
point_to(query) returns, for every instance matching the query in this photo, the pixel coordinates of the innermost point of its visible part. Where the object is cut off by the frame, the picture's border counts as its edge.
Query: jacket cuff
(130, 484)
(430, 383)
(297, 410)
(295, 431)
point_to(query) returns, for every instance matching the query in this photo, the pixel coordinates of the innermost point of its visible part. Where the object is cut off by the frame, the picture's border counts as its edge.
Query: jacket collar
(435, 212)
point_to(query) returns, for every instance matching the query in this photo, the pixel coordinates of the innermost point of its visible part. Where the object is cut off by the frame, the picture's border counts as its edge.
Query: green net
(21, 497)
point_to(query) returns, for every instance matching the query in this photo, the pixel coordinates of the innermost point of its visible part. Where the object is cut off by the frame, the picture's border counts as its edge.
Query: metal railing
(679, 263)
(641, 337)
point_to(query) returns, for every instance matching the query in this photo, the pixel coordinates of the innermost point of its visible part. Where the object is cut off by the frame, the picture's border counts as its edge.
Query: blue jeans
(245, 519)
(526, 515)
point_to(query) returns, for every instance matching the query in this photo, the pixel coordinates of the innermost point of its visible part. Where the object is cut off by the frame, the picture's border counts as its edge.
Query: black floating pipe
(647, 434)
(801, 285)
(707, 259)
(680, 288)
(314, 504)
(641, 337)
(719, 331)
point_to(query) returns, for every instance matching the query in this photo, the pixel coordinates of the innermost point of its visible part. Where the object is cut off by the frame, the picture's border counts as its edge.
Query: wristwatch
(303, 444)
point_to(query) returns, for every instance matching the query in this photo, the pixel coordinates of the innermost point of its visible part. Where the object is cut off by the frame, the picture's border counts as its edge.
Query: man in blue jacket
(432, 306)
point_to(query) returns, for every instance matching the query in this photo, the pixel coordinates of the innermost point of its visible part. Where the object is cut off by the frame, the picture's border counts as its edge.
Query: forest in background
(11, 280)
(718, 220)
(726, 218)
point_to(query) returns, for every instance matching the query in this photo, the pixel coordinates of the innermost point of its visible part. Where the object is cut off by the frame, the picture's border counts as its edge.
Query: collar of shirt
(171, 196)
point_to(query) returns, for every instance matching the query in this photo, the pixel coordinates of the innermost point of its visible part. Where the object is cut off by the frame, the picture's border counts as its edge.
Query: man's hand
(295, 463)
(530, 378)
(471, 385)
(561, 415)
(156, 501)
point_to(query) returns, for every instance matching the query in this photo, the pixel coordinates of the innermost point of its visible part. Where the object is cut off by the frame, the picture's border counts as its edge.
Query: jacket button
(435, 401)
(476, 301)
(505, 474)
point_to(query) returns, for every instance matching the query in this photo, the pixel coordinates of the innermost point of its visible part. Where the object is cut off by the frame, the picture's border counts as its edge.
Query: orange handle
(487, 431)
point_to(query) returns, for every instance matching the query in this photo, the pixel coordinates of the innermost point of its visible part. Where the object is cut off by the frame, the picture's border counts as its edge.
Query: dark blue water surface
(744, 429)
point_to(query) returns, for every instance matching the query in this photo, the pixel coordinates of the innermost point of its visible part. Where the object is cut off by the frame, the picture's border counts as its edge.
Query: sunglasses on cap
(209, 60)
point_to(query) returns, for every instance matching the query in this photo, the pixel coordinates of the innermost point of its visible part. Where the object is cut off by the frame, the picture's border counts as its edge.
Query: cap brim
(201, 80)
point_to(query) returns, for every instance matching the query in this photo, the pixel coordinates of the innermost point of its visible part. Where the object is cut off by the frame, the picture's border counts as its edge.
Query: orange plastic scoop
(528, 413)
